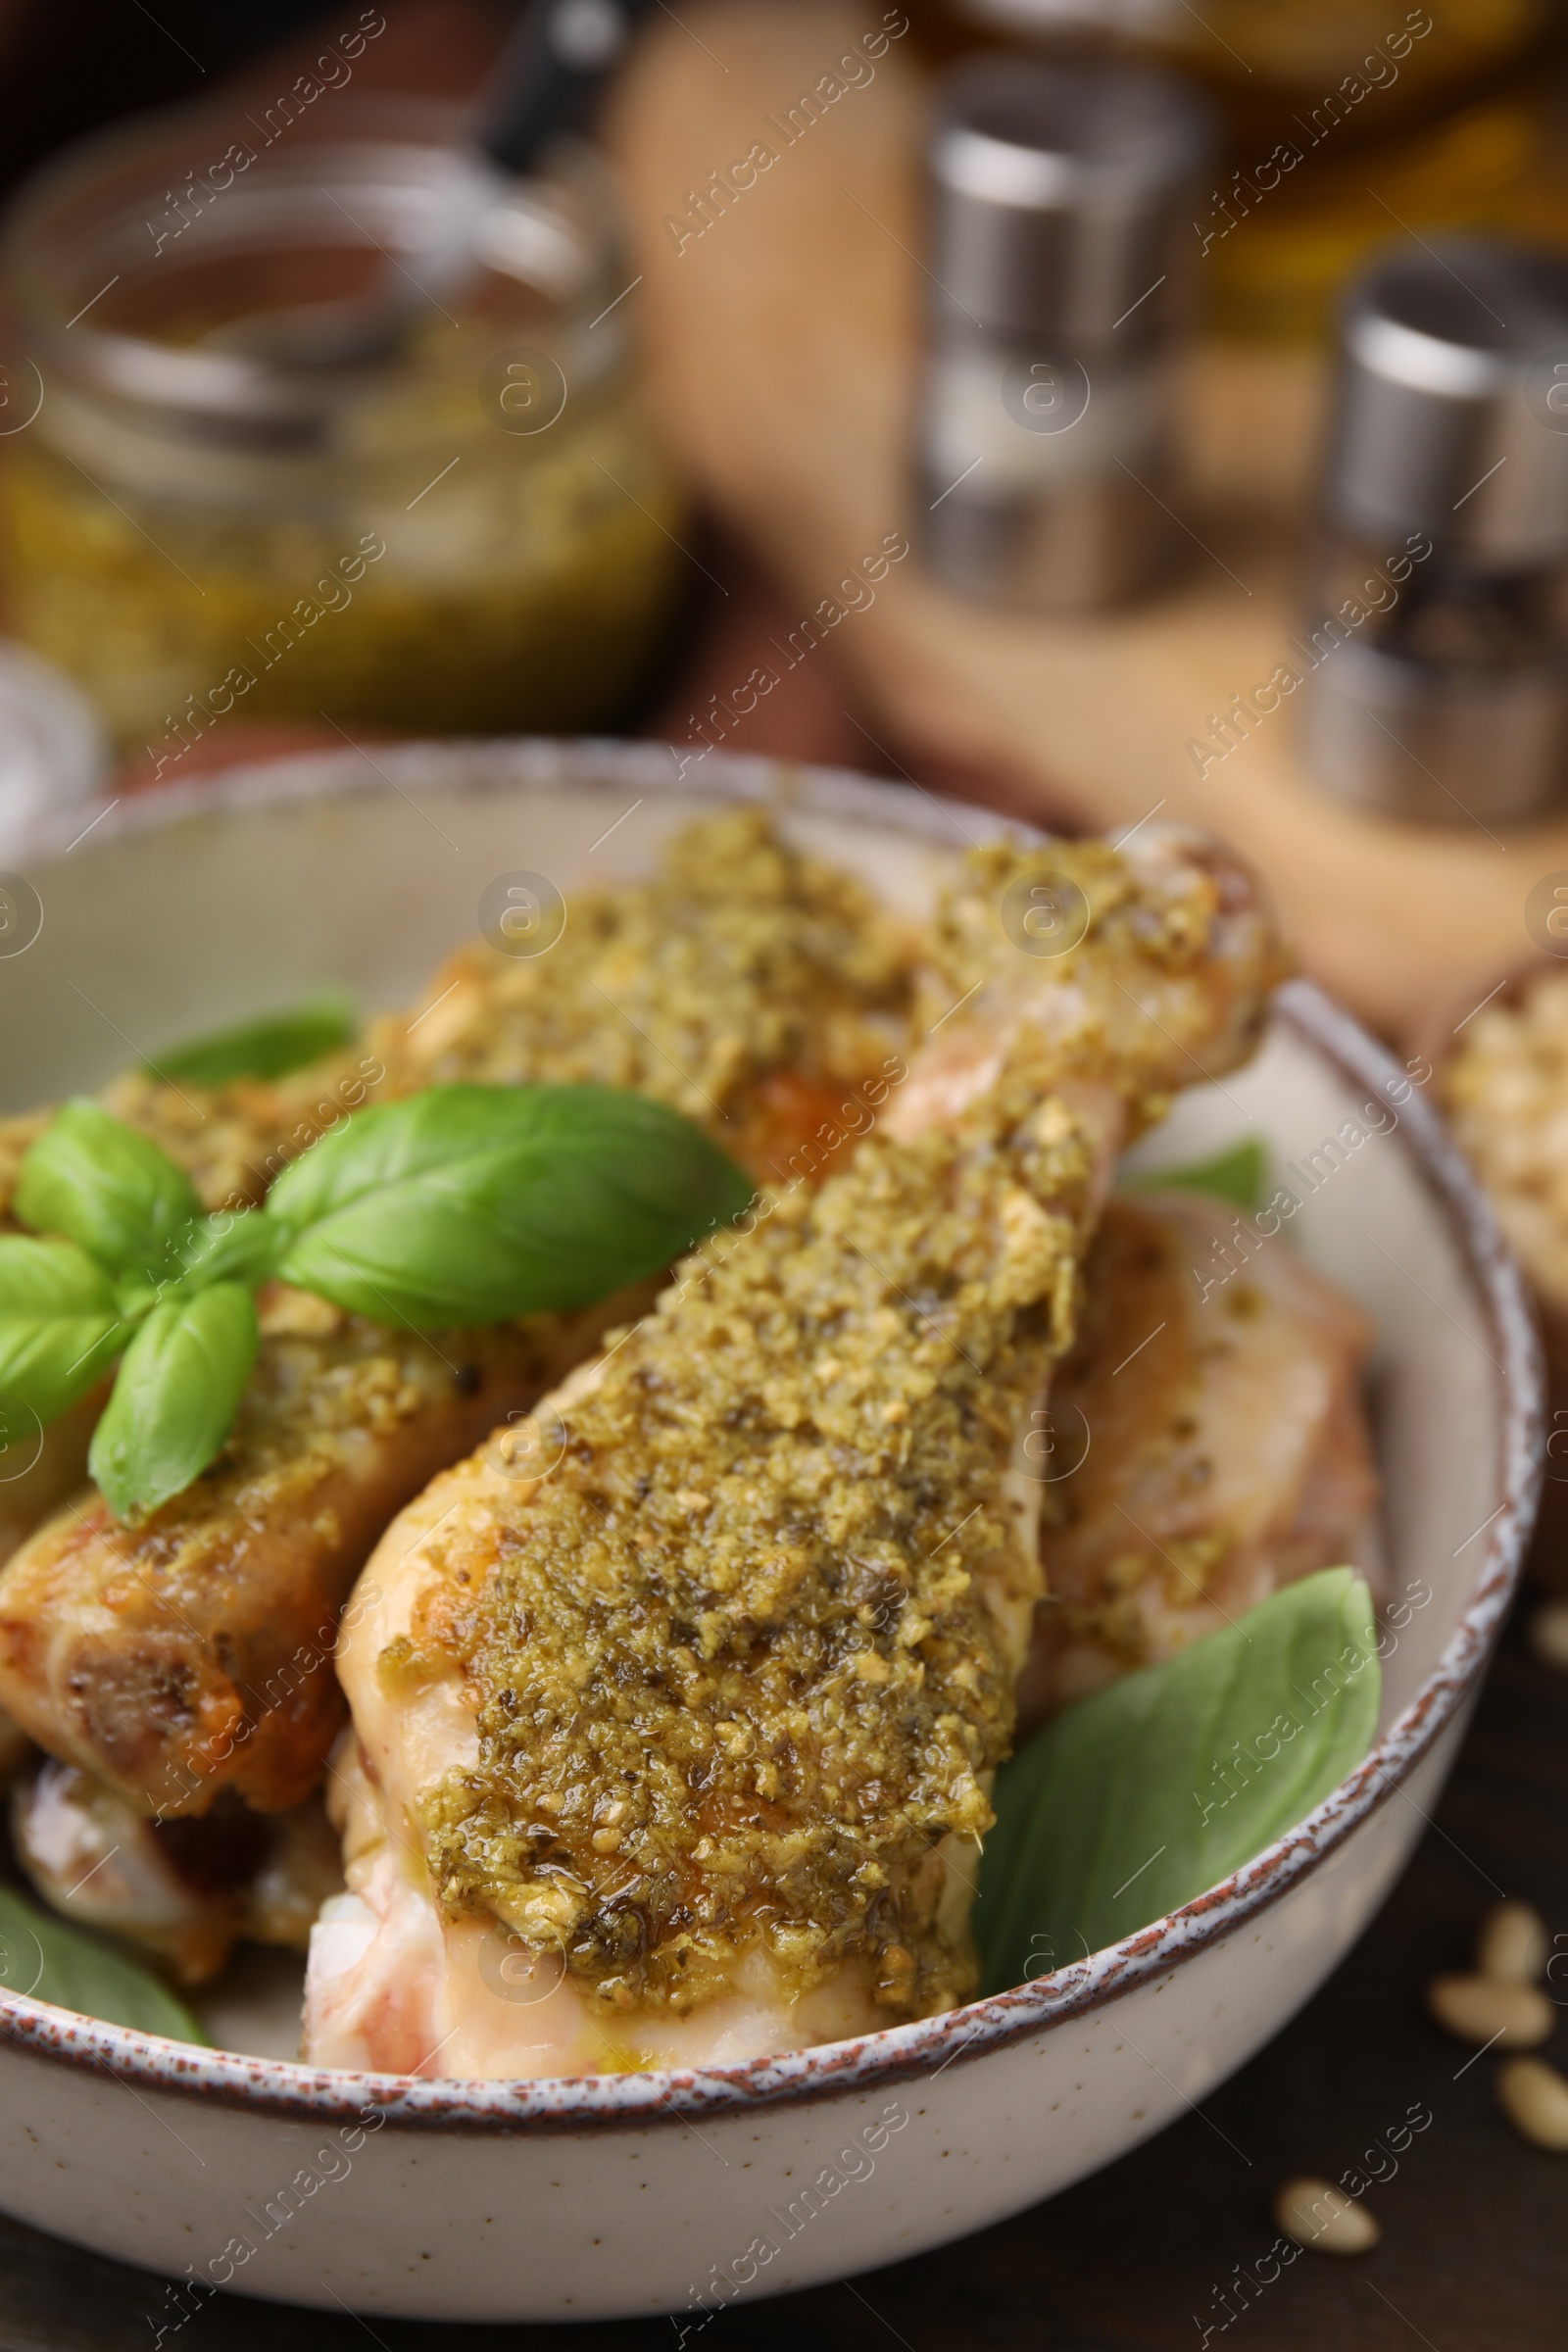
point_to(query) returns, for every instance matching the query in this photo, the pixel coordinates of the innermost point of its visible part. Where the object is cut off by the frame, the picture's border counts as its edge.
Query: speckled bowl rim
(901, 2053)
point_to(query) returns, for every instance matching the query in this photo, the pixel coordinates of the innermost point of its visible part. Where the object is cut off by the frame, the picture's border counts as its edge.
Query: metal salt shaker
(1060, 256)
(1434, 655)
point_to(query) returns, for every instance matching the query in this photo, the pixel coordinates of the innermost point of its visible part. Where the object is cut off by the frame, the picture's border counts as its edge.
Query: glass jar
(476, 533)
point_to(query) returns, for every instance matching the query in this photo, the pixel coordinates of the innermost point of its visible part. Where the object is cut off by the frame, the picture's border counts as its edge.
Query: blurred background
(457, 368)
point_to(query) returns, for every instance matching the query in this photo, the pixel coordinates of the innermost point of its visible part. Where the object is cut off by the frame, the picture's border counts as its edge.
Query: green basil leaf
(235, 1246)
(105, 1186)
(55, 1961)
(1237, 1174)
(59, 1324)
(135, 1296)
(269, 1047)
(471, 1204)
(175, 1398)
(1134, 1801)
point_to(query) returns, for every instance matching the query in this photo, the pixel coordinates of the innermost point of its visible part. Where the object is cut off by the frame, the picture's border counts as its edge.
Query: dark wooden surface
(1474, 2256)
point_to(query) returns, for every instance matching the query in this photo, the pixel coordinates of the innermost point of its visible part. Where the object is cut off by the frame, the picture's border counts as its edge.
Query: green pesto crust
(1148, 972)
(740, 1659)
(740, 956)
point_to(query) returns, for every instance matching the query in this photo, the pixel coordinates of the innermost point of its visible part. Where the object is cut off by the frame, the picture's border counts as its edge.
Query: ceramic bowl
(685, 2191)
(1437, 1038)
(1440, 1039)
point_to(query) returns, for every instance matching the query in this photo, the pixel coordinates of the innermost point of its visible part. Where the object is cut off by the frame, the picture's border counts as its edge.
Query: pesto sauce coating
(740, 956)
(737, 1666)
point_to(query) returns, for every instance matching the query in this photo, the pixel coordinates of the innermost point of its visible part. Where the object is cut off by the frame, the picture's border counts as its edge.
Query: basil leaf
(1131, 1802)
(471, 1204)
(102, 1184)
(269, 1047)
(1237, 1174)
(175, 1400)
(55, 1961)
(235, 1246)
(59, 1324)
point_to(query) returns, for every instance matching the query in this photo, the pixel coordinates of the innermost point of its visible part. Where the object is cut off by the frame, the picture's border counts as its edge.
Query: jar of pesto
(473, 529)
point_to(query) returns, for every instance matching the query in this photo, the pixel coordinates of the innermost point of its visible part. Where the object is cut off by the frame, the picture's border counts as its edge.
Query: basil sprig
(472, 1203)
(269, 1047)
(106, 1187)
(1130, 1803)
(60, 1323)
(463, 1204)
(1237, 1174)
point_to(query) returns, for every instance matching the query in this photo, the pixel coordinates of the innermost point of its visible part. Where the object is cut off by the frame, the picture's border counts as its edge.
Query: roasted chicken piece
(1198, 1451)
(747, 984)
(40, 1467)
(193, 1654)
(1146, 969)
(187, 1889)
(678, 1753)
(702, 1716)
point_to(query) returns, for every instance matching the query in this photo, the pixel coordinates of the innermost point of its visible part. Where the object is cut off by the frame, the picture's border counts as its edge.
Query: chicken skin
(1198, 1451)
(185, 1890)
(193, 1654)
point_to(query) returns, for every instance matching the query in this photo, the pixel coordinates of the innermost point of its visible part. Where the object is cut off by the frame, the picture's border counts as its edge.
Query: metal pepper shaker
(1060, 278)
(1434, 655)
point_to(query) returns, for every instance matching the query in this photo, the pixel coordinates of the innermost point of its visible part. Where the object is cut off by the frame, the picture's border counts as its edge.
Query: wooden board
(783, 341)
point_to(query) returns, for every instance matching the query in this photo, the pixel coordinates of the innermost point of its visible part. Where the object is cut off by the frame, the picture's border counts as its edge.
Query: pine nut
(1534, 2096)
(1317, 2215)
(1513, 1946)
(1482, 2010)
(1549, 1633)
